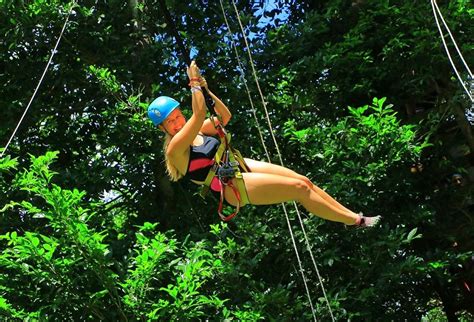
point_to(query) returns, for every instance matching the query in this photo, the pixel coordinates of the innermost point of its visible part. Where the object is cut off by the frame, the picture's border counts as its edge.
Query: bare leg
(265, 167)
(267, 189)
(328, 198)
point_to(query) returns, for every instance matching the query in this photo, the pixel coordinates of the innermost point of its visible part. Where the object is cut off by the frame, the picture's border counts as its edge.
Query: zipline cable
(448, 53)
(242, 74)
(452, 38)
(270, 161)
(281, 162)
(41, 79)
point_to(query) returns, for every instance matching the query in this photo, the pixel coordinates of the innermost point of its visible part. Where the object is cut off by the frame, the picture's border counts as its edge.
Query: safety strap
(235, 158)
(239, 191)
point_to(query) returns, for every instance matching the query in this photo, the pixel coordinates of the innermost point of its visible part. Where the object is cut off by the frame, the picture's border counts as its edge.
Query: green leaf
(6, 163)
(412, 236)
(100, 294)
(35, 241)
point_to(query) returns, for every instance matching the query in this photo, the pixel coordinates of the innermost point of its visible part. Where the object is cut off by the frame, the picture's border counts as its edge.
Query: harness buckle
(225, 171)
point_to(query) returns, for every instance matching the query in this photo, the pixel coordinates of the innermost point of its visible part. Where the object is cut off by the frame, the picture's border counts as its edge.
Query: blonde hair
(171, 170)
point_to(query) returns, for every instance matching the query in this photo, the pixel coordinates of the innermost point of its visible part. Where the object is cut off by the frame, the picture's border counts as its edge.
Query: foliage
(371, 156)
(66, 271)
(82, 242)
(362, 150)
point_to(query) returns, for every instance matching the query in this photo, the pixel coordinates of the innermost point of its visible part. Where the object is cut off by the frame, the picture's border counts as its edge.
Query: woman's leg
(267, 189)
(265, 167)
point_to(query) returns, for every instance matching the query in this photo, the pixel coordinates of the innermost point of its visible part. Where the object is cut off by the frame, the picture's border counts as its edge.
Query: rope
(242, 74)
(41, 79)
(434, 6)
(452, 38)
(267, 154)
(281, 162)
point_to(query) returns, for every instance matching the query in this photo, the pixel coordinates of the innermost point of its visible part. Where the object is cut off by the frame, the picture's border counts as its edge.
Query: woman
(190, 148)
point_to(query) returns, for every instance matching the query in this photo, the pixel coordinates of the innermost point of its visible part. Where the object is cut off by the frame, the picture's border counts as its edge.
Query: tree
(313, 59)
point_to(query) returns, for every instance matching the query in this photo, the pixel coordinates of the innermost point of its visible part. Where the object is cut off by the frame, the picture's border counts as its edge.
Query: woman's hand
(194, 74)
(203, 83)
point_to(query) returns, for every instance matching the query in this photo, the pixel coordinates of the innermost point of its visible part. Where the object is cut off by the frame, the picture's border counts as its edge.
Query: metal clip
(225, 171)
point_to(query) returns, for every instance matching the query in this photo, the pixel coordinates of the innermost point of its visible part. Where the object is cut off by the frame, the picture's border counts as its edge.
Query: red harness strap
(221, 201)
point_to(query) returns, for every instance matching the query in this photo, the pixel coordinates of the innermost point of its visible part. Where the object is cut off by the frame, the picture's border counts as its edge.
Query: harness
(225, 168)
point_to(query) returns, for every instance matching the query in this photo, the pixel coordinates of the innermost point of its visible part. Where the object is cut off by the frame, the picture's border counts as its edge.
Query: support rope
(242, 74)
(41, 79)
(281, 162)
(269, 160)
(434, 6)
(267, 154)
(452, 38)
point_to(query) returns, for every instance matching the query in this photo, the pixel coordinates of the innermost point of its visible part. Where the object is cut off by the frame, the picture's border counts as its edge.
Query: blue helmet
(160, 108)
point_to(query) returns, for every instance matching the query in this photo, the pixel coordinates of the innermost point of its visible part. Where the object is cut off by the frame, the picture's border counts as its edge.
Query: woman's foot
(364, 221)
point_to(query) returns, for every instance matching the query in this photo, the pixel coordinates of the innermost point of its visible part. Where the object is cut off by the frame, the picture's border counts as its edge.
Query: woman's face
(174, 122)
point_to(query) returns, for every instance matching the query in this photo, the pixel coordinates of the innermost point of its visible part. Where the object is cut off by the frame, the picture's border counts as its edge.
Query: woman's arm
(220, 108)
(185, 137)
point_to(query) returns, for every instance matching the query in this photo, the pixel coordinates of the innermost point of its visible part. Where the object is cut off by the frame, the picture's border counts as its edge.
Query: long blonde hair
(171, 170)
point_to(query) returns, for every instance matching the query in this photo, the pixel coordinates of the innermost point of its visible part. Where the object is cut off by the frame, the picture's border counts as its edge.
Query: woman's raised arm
(220, 108)
(185, 137)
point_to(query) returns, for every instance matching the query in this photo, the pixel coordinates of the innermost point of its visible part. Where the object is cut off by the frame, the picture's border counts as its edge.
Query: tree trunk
(449, 307)
(133, 7)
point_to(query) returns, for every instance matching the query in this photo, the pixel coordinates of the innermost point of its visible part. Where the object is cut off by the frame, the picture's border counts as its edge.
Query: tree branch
(172, 27)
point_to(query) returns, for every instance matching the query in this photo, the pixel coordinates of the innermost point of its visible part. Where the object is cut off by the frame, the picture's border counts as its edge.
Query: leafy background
(363, 101)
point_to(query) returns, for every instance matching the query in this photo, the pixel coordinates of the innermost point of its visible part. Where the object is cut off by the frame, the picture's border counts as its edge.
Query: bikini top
(201, 158)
